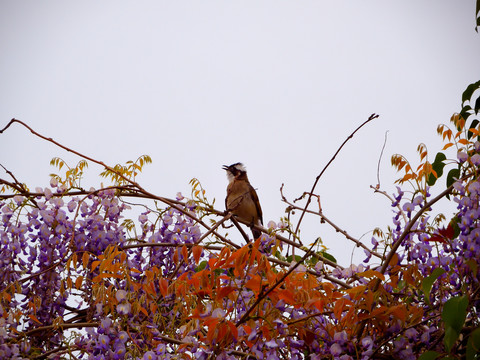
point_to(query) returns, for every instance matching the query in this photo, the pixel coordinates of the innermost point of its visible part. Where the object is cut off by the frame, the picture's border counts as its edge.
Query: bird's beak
(225, 167)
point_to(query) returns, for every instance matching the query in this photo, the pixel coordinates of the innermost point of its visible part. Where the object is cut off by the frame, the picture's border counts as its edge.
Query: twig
(391, 200)
(380, 159)
(264, 294)
(337, 228)
(372, 117)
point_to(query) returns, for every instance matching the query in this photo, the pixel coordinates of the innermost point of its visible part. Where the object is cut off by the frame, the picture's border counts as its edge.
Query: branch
(372, 117)
(264, 294)
(337, 228)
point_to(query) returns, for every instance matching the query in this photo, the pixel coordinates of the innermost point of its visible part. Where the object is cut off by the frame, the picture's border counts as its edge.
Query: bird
(242, 199)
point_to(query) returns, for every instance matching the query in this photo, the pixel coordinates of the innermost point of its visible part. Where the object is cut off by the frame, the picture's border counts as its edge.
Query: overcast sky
(277, 85)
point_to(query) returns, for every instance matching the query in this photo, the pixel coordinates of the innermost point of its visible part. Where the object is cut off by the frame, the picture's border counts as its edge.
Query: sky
(277, 85)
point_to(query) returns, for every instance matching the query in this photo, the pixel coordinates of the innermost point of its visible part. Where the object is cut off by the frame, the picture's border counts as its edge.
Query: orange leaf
(185, 253)
(78, 282)
(254, 284)
(399, 312)
(287, 296)
(95, 264)
(338, 308)
(34, 318)
(142, 309)
(233, 329)
(163, 284)
(372, 273)
(85, 258)
(225, 291)
(212, 262)
(197, 252)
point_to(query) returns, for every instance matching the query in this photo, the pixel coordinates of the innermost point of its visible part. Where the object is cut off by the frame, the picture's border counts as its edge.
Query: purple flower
(124, 308)
(149, 355)
(475, 159)
(103, 341)
(336, 349)
(462, 156)
(408, 207)
(121, 295)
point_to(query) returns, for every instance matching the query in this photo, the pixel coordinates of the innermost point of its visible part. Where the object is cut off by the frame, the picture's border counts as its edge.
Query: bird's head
(235, 171)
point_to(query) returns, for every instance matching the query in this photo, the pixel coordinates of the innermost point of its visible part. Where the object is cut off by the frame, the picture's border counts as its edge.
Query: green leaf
(429, 355)
(427, 283)
(328, 256)
(472, 126)
(453, 315)
(201, 266)
(473, 344)
(452, 176)
(437, 166)
(477, 105)
(450, 338)
(466, 112)
(467, 94)
(298, 258)
(455, 311)
(473, 265)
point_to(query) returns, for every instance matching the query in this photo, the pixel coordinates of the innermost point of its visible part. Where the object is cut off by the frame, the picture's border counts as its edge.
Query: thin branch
(337, 228)
(380, 159)
(391, 200)
(372, 117)
(264, 294)
(407, 229)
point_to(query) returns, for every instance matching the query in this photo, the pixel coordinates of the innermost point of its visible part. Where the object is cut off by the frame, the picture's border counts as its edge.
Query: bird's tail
(256, 233)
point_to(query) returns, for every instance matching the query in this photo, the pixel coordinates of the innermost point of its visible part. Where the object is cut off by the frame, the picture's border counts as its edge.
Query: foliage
(80, 281)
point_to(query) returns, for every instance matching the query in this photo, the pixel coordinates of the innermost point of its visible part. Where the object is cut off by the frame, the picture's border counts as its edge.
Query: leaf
(197, 252)
(450, 338)
(95, 264)
(328, 256)
(287, 296)
(78, 282)
(437, 166)
(427, 283)
(452, 176)
(201, 266)
(85, 258)
(254, 284)
(429, 355)
(467, 94)
(473, 126)
(372, 273)
(224, 291)
(473, 344)
(34, 318)
(453, 315)
(298, 258)
(466, 112)
(477, 105)
(185, 253)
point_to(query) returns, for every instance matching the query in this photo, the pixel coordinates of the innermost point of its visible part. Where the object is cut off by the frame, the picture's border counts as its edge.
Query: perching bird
(242, 200)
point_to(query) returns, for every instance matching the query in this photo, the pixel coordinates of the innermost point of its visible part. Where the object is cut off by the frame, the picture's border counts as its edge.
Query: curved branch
(309, 199)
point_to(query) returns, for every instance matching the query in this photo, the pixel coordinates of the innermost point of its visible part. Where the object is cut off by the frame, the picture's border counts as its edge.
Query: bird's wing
(257, 203)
